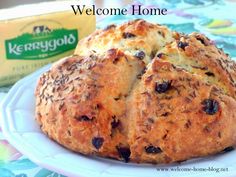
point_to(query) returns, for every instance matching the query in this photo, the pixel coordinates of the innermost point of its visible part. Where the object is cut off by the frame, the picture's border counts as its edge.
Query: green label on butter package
(43, 35)
(43, 43)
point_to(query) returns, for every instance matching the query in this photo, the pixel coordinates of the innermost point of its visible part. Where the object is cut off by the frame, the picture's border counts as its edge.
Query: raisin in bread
(142, 93)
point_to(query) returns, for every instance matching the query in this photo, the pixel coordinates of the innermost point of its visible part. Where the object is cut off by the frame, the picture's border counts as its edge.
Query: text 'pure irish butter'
(43, 35)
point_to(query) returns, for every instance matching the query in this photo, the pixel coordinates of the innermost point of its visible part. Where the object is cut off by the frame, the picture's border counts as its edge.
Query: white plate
(20, 128)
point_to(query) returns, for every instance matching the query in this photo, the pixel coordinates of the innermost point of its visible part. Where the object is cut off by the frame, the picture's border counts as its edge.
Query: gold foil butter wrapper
(32, 36)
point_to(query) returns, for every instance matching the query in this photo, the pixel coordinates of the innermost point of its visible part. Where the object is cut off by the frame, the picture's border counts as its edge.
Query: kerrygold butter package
(34, 35)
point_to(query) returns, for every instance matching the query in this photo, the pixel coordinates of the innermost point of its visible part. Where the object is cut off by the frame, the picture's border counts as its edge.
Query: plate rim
(11, 136)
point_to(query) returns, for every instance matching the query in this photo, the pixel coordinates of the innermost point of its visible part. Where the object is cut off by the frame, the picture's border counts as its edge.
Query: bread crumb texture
(142, 93)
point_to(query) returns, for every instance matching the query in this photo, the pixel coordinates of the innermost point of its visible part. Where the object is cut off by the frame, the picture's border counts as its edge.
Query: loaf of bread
(139, 92)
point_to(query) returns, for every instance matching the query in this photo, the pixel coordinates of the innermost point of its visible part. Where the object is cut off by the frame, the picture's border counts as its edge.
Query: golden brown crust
(201, 56)
(81, 98)
(115, 99)
(175, 121)
(131, 37)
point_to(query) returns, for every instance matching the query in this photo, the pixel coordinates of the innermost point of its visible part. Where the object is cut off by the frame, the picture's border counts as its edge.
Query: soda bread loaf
(139, 92)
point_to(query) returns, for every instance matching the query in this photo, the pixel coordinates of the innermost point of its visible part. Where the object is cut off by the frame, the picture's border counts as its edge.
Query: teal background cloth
(214, 18)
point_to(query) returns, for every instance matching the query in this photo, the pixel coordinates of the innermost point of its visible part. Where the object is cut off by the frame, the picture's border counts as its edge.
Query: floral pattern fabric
(214, 18)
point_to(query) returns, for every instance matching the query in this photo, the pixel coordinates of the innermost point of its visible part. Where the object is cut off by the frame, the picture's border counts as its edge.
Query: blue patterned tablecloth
(215, 18)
